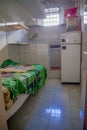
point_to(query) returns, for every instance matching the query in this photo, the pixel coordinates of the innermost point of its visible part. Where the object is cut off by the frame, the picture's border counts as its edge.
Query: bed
(19, 81)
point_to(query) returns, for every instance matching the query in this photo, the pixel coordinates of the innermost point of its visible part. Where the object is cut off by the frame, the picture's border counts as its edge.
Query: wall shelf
(13, 27)
(18, 43)
(16, 27)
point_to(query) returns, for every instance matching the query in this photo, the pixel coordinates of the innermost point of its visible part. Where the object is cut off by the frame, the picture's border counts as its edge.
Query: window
(52, 17)
(85, 17)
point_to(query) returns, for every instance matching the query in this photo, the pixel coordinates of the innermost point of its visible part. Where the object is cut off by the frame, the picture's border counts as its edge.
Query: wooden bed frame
(18, 103)
(20, 99)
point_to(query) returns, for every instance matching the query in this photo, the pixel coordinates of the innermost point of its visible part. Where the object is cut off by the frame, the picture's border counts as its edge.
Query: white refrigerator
(70, 57)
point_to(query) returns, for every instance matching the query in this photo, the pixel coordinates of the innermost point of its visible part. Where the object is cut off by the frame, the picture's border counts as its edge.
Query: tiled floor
(54, 107)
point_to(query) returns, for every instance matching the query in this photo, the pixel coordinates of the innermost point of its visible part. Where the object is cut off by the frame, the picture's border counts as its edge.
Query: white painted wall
(3, 46)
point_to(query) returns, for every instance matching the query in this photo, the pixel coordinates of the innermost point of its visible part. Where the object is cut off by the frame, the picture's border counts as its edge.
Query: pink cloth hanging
(72, 12)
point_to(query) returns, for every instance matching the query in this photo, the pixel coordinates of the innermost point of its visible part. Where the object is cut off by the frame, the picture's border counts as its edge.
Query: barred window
(52, 17)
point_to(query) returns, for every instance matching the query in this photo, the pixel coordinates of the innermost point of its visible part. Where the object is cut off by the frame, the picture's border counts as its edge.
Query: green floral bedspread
(28, 82)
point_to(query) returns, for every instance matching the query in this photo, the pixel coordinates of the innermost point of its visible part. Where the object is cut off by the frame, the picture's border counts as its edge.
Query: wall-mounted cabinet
(17, 34)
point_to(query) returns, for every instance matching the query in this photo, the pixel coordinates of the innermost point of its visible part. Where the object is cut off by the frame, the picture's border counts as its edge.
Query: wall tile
(42, 48)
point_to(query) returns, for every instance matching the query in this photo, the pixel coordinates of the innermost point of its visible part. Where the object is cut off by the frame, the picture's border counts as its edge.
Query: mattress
(16, 68)
(25, 82)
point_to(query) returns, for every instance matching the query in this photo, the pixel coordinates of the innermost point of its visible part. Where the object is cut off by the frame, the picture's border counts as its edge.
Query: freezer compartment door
(71, 37)
(70, 63)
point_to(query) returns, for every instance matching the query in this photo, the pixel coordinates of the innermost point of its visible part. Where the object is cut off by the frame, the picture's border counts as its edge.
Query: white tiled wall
(14, 52)
(25, 54)
(43, 58)
(37, 52)
(33, 48)
(54, 74)
(33, 54)
(47, 35)
(42, 48)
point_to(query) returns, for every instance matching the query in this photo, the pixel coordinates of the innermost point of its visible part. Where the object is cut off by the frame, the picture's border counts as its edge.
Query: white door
(70, 63)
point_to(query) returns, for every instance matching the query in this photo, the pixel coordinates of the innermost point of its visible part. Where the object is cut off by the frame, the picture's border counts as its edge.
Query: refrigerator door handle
(64, 47)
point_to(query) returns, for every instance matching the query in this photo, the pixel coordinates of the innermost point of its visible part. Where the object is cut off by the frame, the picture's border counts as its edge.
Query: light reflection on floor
(54, 112)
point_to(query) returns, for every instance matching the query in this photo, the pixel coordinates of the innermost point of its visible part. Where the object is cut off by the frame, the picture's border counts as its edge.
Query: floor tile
(60, 111)
(75, 112)
(56, 106)
(61, 101)
(76, 124)
(37, 123)
(59, 124)
(62, 97)
(75, 102)
(75, 92)
(41, 110)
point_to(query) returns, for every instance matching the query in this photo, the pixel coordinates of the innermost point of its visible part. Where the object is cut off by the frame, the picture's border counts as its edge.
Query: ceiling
(59, 3)
(26, 10)
(20, 10)
(32, 7)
